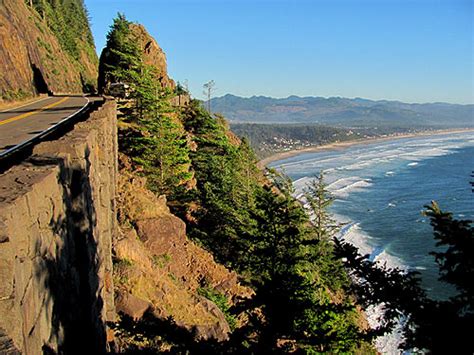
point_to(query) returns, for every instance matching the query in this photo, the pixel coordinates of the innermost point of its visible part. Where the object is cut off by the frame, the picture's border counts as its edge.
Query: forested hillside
(295, 287)
(214, 255)
(248, 221)
(268, 139)
(343, 111)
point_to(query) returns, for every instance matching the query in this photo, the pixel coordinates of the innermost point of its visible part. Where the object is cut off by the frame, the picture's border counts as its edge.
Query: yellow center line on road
(27, 114)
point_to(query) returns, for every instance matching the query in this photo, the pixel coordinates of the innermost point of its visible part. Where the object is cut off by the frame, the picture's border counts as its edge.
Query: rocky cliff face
(151, 54)
(57, 223)
(159, 271)
(34, 59)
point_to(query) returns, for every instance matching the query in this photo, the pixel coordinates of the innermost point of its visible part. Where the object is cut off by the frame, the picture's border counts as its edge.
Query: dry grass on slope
(162, 269)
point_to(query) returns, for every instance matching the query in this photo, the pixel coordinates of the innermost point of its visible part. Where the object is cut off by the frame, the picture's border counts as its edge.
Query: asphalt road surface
(23, 123)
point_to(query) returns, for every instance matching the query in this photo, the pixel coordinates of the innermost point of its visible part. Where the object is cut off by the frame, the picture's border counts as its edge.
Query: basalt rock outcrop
(159, 270)
(152, 54)
(33, 58)
(57, 223)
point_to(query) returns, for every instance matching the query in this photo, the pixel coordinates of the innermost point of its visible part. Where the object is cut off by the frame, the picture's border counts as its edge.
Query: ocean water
(380, 190)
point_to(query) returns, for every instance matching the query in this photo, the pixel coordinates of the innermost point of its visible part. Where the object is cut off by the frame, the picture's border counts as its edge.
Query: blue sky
(408, 50)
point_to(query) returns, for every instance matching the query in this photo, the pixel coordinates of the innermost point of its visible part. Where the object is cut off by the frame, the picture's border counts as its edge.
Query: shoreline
(346, 144)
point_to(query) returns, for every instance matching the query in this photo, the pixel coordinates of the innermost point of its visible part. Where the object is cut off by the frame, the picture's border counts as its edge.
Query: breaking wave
(353, 234)
(351, 187)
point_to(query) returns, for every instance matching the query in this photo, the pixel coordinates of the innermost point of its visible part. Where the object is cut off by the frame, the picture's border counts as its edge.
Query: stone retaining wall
(57, 223)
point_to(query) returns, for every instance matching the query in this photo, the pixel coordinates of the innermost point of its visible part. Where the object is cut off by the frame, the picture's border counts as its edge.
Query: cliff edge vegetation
(212, 255)
(277, 288)
(284, 281)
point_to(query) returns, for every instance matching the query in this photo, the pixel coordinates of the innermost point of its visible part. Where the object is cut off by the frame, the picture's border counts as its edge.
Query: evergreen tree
(155, 137)
(120, 59)
(161, 151)
(456, 261)
(437, 326)
(329, 269)
(281, 229)
(319, 200)
(298, 308)
(250, 175)
(224, 190)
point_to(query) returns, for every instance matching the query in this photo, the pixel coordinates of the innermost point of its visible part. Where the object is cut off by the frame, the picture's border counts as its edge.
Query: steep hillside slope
(162, 274)
(46, 46)
(180, 295)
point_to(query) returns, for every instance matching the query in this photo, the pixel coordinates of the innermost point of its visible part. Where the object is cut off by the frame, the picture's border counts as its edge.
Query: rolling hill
(341, 111)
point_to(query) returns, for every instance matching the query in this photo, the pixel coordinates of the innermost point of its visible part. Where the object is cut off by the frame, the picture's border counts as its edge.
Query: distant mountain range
(342, 111)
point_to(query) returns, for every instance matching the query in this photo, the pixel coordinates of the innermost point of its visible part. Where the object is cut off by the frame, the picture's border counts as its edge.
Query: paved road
(23, 123)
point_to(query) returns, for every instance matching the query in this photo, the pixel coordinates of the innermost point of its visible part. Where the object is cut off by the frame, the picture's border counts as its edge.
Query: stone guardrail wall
(57, 223)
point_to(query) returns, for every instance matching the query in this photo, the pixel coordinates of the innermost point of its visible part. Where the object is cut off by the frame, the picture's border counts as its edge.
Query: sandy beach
(342, 145)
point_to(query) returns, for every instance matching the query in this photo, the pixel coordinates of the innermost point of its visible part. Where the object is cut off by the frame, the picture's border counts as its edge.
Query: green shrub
(221, 302)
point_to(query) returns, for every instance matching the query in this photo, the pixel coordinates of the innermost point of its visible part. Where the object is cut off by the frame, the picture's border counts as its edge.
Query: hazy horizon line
(344, 97)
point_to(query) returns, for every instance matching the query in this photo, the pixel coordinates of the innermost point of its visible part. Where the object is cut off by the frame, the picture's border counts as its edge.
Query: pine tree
(439, 326)
(456, 261)
(120, 59)
(281, 229)
(296, 304)
(155, 138)
(319, 200)
(161, 151)
(224, 190)
(249, 173)
(327, 269)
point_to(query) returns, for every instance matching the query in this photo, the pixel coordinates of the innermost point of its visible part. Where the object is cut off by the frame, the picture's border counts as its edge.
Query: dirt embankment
(159, 271)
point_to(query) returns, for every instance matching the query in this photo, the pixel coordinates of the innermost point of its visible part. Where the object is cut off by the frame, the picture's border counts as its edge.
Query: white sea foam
(386, 344)
(342, 182)
(353, 234)
(359, 165)
(299, 196)
(426, 153)
(390, 261)
(312, 163)
(412, 164)
(356, 185)
(302, 183)
(339, 188)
